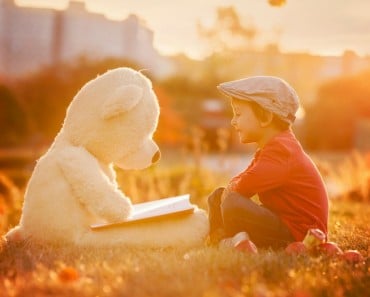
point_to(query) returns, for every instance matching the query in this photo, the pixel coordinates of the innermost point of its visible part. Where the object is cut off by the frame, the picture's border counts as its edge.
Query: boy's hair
(260, 113)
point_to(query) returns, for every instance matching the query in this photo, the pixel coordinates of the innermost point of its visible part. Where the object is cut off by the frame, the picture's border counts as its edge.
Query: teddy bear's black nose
(156, 157)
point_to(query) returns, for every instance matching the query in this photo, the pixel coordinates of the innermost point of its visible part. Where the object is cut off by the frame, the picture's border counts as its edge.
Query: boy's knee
(215, 196)
(235, 204)
(229, 204)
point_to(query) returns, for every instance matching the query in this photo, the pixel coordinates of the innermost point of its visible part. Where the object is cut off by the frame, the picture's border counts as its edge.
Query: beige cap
(271, 93)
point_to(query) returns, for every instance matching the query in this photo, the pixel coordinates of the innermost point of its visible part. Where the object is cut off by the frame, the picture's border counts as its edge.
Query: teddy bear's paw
(120, 208)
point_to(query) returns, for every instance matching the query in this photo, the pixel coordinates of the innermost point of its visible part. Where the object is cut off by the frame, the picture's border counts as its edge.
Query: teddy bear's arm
(91, 186)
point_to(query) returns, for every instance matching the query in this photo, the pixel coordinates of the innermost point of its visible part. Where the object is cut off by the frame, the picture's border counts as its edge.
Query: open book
(165, 208)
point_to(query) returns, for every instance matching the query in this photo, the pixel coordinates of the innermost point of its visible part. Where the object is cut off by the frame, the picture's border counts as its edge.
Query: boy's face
(245, 121)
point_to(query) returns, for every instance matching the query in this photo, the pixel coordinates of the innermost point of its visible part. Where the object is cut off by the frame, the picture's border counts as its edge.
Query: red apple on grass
(296, 248)
(314, 237)
(329, 248)
(352, 256)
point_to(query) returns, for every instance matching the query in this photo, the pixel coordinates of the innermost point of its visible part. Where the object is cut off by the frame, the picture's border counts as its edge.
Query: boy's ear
(266, 118)
(121, 100)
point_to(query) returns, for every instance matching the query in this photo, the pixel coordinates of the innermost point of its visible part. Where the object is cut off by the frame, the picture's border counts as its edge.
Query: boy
(288, 184)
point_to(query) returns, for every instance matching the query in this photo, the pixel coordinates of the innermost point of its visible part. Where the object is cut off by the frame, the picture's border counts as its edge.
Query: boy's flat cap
(271, 93)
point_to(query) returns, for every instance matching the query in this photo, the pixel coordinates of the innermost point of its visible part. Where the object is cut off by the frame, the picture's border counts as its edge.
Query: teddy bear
(110, 121)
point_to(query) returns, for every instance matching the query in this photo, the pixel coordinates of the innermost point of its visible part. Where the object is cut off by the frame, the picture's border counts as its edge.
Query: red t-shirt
(288, 183)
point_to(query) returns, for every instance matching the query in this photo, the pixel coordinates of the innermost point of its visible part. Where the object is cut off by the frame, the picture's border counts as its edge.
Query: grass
(28, 269)
(31, 270)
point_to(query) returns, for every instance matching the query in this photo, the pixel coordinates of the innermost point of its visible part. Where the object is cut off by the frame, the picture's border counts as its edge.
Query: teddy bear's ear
(121, 100)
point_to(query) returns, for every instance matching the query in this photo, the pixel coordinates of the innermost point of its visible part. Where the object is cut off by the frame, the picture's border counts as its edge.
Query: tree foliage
(332, 119)
(228, 33)
(13, 122)
(188, 94)
(47, 94)
(171, 126)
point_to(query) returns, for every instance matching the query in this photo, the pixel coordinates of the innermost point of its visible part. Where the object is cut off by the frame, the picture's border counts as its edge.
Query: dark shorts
(237, 213)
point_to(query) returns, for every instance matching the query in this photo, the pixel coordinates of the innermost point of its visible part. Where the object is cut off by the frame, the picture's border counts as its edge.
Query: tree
(188, 94)
(47, 93)
(13, 121)
(331, 120)
(171, 126)
(228, 33)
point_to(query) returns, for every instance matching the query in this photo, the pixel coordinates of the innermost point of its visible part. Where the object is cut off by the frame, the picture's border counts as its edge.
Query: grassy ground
(30, 270)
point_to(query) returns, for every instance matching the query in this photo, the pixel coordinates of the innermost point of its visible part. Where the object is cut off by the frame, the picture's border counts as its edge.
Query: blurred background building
(34, 37)
(31, 38)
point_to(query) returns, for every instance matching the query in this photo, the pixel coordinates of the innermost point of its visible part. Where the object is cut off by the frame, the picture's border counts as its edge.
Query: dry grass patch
(33, 270)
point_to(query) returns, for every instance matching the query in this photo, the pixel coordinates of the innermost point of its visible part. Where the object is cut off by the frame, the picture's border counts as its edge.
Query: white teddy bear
(110, 121)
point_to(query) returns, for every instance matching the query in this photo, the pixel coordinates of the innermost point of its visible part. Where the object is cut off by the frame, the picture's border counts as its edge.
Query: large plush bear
(110, 121)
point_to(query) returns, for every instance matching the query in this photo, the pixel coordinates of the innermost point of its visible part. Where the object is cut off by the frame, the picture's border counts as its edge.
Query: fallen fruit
(246, 246)
(68, 274)
(329, 248)
(314, 237)
(352, 256)
(296, 248)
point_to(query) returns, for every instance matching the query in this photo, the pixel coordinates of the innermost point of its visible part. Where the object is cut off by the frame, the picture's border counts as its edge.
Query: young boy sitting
(288, 184)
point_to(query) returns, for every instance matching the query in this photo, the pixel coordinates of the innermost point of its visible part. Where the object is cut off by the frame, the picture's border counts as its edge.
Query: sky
(323, 27)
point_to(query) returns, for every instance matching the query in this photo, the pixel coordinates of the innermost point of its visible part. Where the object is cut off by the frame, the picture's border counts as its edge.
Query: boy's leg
(216, 225)
(263, 226)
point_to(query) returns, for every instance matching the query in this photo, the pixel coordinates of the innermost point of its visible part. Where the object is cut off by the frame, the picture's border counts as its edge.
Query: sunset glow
(314, 26)
(108, 107)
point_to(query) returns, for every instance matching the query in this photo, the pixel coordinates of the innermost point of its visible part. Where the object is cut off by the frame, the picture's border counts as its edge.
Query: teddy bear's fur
(111, 120)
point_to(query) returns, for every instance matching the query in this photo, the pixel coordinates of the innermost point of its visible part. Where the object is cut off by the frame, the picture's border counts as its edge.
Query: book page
(168, 208)
(160, 207)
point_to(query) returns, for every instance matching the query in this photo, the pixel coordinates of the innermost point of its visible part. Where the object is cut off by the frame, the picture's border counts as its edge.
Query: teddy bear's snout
(156, 157)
